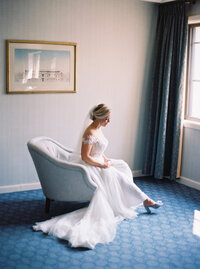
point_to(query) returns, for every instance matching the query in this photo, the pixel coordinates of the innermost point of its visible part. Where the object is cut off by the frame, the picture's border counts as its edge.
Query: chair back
(60, 178)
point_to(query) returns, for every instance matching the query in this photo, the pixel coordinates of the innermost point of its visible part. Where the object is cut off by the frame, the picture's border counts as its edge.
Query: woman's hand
(107, 164)
(107, 161)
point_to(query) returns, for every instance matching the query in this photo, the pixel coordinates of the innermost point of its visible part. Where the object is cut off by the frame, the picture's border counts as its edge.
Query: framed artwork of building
(41, 67)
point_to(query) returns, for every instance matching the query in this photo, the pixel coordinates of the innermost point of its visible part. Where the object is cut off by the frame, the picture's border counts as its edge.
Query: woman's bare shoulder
(88, 132)
(89, 137)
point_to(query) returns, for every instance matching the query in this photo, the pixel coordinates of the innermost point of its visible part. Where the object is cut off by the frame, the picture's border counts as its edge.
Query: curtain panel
(166, 104)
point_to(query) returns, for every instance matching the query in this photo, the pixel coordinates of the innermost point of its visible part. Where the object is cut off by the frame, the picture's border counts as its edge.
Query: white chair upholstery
(61, 179)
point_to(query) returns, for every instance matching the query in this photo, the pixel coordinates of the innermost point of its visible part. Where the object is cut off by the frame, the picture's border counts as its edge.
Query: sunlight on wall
(196, 223)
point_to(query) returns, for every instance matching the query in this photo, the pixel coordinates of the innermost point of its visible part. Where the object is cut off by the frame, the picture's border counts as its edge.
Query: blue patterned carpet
(161, 240)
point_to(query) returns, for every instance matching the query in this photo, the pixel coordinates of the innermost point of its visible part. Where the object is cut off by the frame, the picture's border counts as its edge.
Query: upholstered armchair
(61, 178)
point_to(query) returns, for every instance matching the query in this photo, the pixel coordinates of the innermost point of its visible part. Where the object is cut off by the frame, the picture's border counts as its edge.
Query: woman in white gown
(116, 196)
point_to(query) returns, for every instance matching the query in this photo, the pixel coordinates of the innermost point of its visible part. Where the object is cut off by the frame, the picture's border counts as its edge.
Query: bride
(116, 196)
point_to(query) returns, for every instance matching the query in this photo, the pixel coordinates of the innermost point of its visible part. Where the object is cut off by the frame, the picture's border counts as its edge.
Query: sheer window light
(193, 86)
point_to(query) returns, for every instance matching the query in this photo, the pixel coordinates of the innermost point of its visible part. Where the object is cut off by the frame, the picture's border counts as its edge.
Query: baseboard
(182, 180)
(20, 187)
(34, 186)
(138, 173)
(189, 182)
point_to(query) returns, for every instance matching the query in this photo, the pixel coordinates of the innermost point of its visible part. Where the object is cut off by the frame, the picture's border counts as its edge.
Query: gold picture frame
(41, 67)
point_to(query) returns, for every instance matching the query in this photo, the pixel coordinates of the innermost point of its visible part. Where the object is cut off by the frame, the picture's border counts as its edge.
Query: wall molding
(194, 19)
(20, 187)
(189, 182)
(191, 124)
(138, 173)
(182, 180)
(36, 185)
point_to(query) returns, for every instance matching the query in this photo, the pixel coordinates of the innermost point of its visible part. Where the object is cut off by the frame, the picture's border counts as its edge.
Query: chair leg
(47, 206)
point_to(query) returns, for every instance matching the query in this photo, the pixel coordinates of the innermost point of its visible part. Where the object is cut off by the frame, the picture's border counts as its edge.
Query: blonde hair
(99, 112)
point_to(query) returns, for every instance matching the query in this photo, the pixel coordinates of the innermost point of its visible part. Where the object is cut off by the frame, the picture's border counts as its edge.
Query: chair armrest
(63, 164)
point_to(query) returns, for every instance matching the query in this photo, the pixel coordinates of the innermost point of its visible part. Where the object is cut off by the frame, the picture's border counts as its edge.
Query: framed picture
(41, 67)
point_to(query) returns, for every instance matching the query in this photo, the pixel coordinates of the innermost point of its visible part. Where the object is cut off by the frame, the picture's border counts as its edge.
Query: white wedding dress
(116, 198)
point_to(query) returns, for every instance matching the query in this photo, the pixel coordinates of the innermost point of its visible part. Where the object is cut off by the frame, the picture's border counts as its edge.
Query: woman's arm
(85, 155)
(105, 159)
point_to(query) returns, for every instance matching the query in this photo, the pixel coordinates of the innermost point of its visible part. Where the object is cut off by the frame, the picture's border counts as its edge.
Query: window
(193, 74)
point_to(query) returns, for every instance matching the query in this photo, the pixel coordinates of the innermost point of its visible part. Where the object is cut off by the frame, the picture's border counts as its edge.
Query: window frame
(188, 69)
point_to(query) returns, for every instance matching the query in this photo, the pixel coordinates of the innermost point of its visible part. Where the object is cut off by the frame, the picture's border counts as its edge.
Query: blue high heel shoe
(156, 206)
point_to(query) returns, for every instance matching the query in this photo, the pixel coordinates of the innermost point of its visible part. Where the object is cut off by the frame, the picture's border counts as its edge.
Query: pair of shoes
(156, 206)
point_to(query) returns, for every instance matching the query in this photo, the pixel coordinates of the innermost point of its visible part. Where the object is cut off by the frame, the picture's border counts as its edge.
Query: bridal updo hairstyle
(99, 112)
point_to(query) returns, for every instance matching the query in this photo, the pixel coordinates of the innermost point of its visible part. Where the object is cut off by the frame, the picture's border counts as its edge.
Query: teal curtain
(161, 156)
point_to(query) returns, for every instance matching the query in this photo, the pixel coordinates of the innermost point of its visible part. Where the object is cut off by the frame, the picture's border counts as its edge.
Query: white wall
(191, 154)
(114, 43)
(194, 9)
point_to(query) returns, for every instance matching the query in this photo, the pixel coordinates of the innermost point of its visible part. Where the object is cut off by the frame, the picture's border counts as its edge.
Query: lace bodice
(99, 145)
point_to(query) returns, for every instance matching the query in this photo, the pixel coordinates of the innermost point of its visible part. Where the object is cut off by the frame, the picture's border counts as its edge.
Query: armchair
(61, 178)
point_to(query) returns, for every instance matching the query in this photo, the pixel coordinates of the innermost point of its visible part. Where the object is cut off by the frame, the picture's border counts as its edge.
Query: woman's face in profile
(105, 120)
